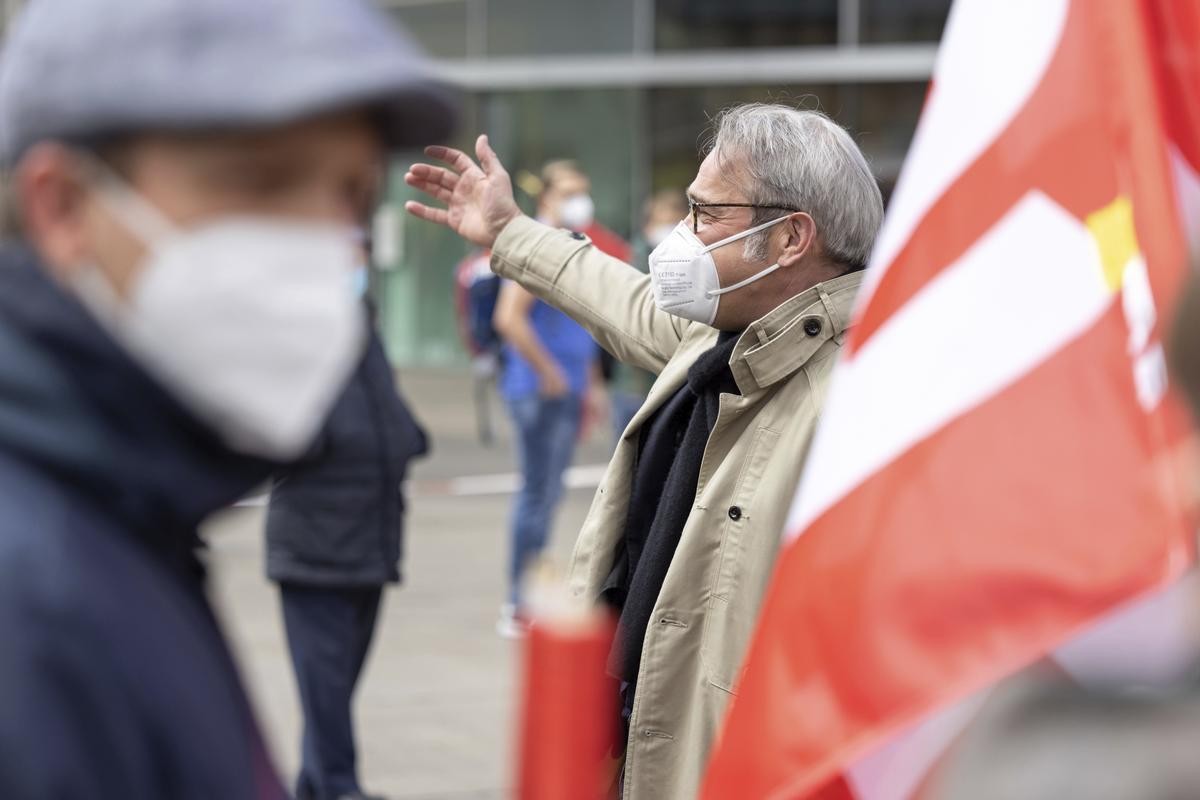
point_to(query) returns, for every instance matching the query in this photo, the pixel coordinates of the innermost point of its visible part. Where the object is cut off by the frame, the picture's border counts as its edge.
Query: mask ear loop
(744, 234)
(764, 273)
(740, 284)
(134, 211)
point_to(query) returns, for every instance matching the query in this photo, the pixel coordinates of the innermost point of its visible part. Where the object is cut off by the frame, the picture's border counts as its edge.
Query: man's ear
(799, 238)
(53, 203)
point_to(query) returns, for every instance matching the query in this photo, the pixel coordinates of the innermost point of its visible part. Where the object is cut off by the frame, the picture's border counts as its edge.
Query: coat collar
(786, 339)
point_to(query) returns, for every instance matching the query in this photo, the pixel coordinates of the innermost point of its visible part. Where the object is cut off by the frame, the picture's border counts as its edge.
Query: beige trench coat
(697, 637)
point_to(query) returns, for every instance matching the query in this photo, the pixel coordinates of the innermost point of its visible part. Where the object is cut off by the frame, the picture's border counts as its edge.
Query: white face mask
(253, 323)
(577, 212)
(684, 274)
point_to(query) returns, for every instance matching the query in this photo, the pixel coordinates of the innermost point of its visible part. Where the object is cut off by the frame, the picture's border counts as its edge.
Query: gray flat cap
(81, 69)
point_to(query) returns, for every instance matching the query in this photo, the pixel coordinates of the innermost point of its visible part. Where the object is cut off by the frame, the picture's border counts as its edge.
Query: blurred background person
(334, 541)
(476, 290)
(176, 318)
(630, 385)
(550, 369)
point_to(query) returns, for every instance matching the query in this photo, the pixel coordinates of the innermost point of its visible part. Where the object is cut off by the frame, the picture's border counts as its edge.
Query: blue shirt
(567, 343)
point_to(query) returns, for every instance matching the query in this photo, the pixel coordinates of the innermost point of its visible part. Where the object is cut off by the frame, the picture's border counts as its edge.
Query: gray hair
(803, 160)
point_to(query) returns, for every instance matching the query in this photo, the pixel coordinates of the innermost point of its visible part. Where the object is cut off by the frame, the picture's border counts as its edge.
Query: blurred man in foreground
(743, 313)
(178, 316)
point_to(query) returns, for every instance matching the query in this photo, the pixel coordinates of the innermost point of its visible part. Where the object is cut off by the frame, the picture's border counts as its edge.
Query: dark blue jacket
(336, 518)
(114, 679)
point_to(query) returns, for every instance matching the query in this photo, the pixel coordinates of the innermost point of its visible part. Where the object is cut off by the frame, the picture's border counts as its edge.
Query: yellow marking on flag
(1112, 228)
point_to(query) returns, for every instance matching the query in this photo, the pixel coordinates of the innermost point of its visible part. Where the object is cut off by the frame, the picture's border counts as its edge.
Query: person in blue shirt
(549, 366)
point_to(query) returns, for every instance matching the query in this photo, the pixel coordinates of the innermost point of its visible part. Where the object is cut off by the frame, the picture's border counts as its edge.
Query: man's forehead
(717, 181)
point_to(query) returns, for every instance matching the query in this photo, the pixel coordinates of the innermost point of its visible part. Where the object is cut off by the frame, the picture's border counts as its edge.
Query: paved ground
(436, 705)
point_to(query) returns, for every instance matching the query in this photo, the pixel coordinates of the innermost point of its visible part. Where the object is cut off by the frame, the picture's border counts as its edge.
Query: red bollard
(569, 708)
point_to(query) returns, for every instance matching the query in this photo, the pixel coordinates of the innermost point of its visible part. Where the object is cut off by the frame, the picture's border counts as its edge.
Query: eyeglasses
(692, 206)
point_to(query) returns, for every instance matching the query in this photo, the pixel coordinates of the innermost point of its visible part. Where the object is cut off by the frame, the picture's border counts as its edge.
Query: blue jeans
(546, 431)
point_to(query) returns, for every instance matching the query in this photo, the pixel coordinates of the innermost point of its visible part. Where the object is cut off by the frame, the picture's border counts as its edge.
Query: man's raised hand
(478, 197)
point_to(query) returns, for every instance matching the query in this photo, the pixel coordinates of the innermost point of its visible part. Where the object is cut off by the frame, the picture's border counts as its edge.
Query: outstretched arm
(614, 302)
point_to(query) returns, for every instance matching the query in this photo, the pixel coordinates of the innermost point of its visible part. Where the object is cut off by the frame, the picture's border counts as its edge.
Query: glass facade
(441, 27)
(627, 88)
(711, 24)
(907, 21)
(527, 28)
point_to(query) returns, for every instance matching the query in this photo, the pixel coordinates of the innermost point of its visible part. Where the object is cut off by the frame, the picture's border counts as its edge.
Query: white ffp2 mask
(577, 212)
(684, 274)
(251, 322)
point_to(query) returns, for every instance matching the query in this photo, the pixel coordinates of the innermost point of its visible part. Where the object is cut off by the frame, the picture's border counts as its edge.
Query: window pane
(908, 21)
(592, 127)
(709, 24)
(439, 25)
(544, 27)
(416, 293)
(885, 121)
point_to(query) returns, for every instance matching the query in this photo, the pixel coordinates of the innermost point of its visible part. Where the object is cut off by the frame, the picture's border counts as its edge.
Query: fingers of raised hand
(487, 156)
(438, 175)
(429, 185)
(422, 211)
(455, 158)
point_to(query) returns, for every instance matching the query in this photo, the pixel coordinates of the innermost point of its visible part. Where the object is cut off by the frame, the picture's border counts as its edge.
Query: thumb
(487, 156)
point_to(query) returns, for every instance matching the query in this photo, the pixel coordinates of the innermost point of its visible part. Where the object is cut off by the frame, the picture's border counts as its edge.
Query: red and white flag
(995, 479)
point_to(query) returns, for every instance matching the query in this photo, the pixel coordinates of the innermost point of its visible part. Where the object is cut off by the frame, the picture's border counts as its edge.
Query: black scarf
(665, 475)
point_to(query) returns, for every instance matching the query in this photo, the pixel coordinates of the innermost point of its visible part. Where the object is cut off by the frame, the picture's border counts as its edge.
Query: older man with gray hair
(742, 315)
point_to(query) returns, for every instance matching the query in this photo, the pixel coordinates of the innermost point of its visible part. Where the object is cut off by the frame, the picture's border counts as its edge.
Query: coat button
(812, 326)
(735, 513)
(578, 235)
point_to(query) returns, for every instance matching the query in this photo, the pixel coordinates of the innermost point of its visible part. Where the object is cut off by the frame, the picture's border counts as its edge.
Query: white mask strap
(138, 214)
(744, 234)
(740, 284)
(764, 273)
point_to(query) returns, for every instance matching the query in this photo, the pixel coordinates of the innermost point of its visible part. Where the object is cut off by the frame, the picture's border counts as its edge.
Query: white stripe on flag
(1026, 288)
(991, 60)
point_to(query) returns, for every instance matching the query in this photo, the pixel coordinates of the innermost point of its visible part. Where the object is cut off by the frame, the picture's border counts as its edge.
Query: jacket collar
(786, 339)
